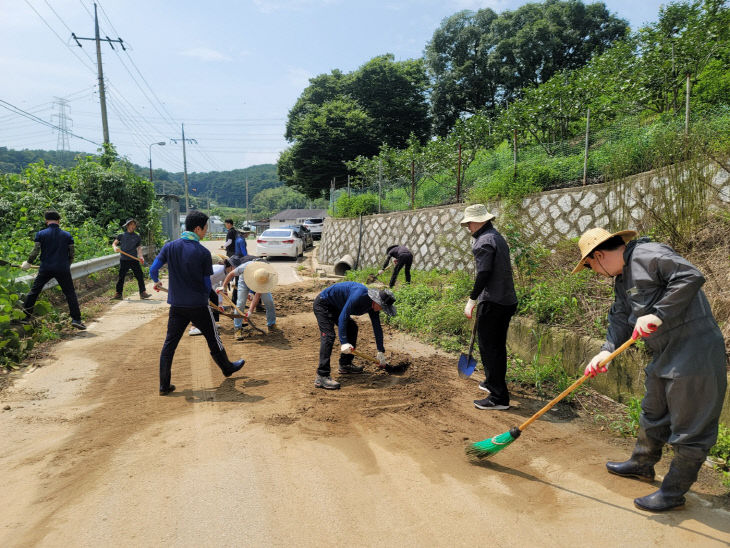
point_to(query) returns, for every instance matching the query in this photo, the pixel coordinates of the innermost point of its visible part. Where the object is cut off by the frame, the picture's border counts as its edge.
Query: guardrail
(89, 266)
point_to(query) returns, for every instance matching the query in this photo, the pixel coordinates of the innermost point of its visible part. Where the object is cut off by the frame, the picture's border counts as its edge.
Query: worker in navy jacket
(56, 248)
(190, 267)
(335, 306)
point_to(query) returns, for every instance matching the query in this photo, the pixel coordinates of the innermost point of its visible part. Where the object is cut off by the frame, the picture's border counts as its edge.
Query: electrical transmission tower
(63, 122)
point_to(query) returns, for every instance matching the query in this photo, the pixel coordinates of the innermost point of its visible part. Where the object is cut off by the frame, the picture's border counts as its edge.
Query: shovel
(225, 295)
(467, 364)
(373, 277)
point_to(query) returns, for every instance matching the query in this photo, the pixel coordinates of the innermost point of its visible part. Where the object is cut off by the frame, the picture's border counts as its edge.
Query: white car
(279, 242)
(315, 227)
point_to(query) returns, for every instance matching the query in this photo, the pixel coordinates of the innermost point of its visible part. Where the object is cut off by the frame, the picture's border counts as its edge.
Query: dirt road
(92, 455)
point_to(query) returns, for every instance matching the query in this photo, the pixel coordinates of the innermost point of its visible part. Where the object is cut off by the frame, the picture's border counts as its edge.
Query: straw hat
(260, 277)
(593, 237)
(476, 213)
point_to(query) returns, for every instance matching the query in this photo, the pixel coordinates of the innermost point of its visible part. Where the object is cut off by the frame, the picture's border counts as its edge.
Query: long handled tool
(365, 356)
(373, 277)
(130, 256)
(467, 364)
(491, 446)
(225, 295)
(227, 314)
(8, 263)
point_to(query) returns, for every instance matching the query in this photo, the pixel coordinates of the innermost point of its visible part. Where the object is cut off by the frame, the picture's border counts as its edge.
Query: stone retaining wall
(438, 241)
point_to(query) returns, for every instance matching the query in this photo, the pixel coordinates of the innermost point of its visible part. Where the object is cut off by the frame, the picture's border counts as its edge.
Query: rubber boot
(227, 367)
(682, 474)
(647, 452)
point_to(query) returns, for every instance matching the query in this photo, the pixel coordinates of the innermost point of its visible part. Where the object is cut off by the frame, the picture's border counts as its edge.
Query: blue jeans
(266, 298)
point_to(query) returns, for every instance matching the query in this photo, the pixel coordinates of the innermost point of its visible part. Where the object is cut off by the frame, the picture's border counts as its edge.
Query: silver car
(315, 227)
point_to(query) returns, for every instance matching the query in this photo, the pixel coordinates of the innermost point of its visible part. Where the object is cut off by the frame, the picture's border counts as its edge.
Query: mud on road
(94, 456)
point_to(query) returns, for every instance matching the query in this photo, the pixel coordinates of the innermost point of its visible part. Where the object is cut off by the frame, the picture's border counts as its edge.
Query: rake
(3, 262)
(225, 295)
(130, 256)
(492, 446)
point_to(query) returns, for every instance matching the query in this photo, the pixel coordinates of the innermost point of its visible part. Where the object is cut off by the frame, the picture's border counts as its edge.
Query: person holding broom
(190, 267)
(402, 258)
(658, 296)
(258, 276)
(495, 299)
(130, 243)
(335, 306)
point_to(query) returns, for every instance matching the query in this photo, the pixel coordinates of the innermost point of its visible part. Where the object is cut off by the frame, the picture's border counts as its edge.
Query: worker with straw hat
(258, 276)
(494, 296)
(658, 296)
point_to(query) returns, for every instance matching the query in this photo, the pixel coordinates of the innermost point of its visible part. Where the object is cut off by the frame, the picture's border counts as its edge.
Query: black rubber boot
(227, 367)
(647, 452)
(682, 474)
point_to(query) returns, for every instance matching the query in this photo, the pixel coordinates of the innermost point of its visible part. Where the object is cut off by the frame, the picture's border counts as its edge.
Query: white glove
(646, 325)
(382, 359)
(25, 265)
(219, 290)
(470, 304)
(347, 348)
(592, 369)
(380, 272)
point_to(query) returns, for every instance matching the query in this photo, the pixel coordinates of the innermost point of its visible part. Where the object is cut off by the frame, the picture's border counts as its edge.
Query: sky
(228, 70)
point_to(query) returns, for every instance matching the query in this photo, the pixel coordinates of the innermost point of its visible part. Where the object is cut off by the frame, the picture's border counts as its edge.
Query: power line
(21, 112)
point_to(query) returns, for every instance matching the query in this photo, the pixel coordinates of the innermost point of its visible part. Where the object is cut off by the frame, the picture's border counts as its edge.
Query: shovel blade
(466, 366)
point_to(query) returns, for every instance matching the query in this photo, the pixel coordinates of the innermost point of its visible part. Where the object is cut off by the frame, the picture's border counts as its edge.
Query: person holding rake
(129, 243)
(658, 296)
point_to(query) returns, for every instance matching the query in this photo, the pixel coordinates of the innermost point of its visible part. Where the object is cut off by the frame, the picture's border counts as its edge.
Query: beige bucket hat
(476, 213)
(260, 277)
(593, 237)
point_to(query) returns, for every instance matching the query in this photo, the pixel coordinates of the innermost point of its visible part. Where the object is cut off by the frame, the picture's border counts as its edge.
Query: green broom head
(491, 446)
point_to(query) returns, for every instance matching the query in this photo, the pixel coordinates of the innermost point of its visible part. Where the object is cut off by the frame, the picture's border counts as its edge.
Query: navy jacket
(55, 253)
(190, 267)
(351, 299)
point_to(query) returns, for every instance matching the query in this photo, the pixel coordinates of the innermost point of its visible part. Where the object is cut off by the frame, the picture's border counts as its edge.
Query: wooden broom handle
(128, 255)
(231, 301)
(573, 386)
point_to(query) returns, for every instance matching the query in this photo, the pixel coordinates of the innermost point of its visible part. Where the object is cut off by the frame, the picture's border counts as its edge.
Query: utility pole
(247, 213)
(458, 178)
(102, 93)
(185, 164)
(380, 181)
(585, 153)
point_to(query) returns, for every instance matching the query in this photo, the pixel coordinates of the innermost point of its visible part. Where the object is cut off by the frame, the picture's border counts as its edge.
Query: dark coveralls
(497, 302)
(190, 267)
(129, 242)
(335, 305)
(403, 258)
(685, 379)
(231, 237)
(57, 253)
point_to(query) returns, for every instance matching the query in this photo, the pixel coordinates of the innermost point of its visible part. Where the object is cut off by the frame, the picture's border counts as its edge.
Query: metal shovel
(467, 364)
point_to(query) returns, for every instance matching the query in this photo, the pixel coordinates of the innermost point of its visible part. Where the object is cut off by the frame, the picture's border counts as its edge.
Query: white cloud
(205, 54)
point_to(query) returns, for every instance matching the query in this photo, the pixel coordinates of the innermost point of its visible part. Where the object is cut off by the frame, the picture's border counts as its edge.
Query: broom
(492, 446)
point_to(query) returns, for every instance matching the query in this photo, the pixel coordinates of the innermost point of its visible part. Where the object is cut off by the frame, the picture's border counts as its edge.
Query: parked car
(315, 227)
(279, 242)
(304, 234)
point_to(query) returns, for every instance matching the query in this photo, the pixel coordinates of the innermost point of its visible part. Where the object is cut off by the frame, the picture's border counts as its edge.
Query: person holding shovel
(402, 258)
(658, 296)
(335, 306)
(494, 297)
(130, 245)
(190, 267)
(259, 277)
(56, 248)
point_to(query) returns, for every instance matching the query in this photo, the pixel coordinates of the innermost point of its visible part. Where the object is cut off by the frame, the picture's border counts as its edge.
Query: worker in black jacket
(494, 293)
(402, 258)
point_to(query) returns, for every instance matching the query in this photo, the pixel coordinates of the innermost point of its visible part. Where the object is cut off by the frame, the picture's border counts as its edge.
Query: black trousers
(213, 296)
(327, 318)
(178, 320)
(397, 268)
(63, 277)
(136, 268)
(492, 335)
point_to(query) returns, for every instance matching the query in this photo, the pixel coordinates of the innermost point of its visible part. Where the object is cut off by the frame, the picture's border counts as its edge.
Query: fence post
(413, 184)
(686, 109)
(514, 153)
(585, 154)
(380, 181)
(458, 177)
(348, 185)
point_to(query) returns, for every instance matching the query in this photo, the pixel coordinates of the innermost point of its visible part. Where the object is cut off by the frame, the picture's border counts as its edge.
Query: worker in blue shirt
(190, 267)
(56, 248)
(335, 306)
